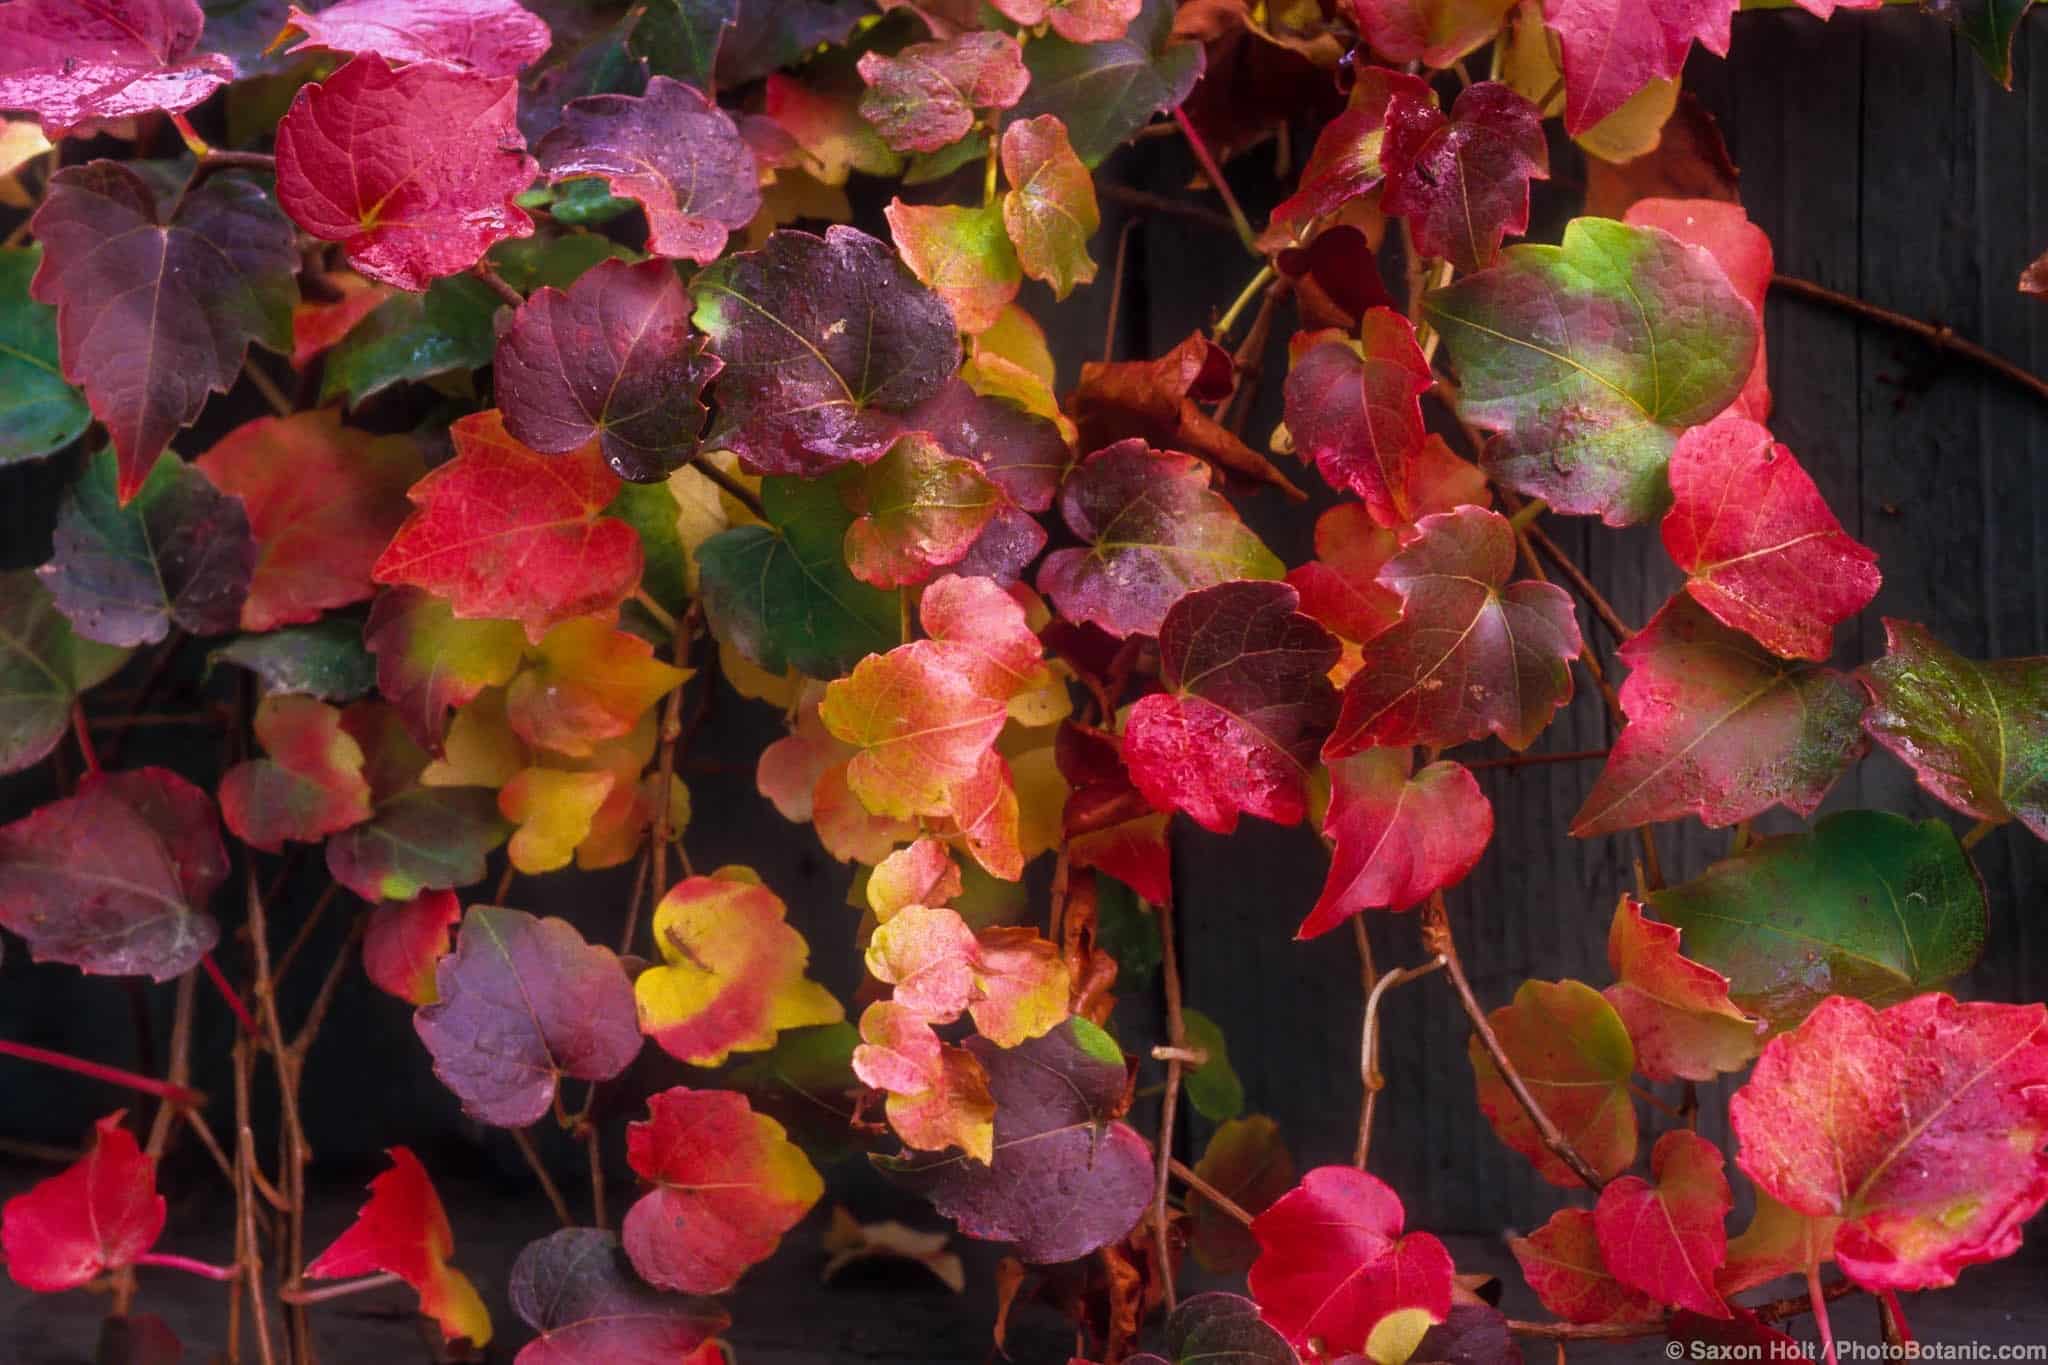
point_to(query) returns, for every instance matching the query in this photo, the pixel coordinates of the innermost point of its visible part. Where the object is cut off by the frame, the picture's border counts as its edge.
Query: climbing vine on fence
(582, 400)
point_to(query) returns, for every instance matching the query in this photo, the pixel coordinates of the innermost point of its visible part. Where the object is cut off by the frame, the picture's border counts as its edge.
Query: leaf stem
(1940, 337)
(1527, 513)
(1238, 222)
(1436, 936)
(227, 993)
(1820, 1312)
(194, 143)
(991, 163)
(1369, 1046)
(663, 617)
(1243, 300)
(512, 297)
(1978, 832)
(166, 1261)
(739, 492)
(340, 1290)
(83, 732)
(168, 1091)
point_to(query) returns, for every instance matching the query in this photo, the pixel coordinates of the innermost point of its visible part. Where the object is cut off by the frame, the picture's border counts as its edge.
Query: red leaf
(491, 37)
(1471, 655)
(1678, 1012)
(1397, 838)
(309, 786)
(402, 1230)
(323, 501)
(1562, 1262)
(1156, 532)
(1159, 402)
(1719, 727)
(728, 1183)
(1109, 823)
(1463, 182)
(1762, 551)
(412, 170)
(74, 62)
(1340, 587)
(1613, 48)
(1921, 1126)
(1666, 1240)
(115, 880)
(504, 533)
(1574, 1053)
(672, 150)
(1333, 1261)
(1078, 21)
(99, 1215)
(1247, 705)
(1345, 162)
(1355, 408)
(612, 358)
(1744, 255)
(925, 97)
(521, 1003)
(152, 316)
(405, 939)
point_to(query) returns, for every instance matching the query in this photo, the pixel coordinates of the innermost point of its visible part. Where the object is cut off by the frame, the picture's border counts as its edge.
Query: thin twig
(740, 493)
(341, 1290)
(265, 385)
(1238, 222)
(593, 1141)
(305, 929)
(179, 1070)
(1436, 933)
(1775, 1311)
(229, 994)
(1166, 206)
(1209, 1192)
(1116, 288)
(148, 1085)
(248, 1248)
(1941, 338)
(297, 1153)
(1369, 1047)
(324, 998)
(540, 1172)
(1602, 608)
(1176, 1034)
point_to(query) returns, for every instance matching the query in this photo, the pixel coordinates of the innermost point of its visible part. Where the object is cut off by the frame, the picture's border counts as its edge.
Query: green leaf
(1988, 27)
(180, 552)
(43, 668)
(1975, 732)
(1128, 932)
(782, 593)
(39, 412)
(650, 509)
(1213, 1087)
(1868, 904)
(576, 203)
(325, 660)
(1104, 92)
(1589, 359)
(414, 336)
(680, 38)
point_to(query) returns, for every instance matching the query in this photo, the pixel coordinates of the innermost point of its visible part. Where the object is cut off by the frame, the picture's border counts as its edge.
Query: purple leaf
(613, 357)
(524, 1002)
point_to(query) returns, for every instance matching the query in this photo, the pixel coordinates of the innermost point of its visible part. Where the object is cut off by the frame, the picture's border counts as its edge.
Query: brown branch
(1144, 201)
(1437, 937)
(1176, 1035)
(1209, 1192)
(297, 1154)
(593, 1141)
(1777, 1310)
(179, 1070)
(248, 1247)
(540, 1172)
(1116, 289)
(1940, 337)
(1583, 585)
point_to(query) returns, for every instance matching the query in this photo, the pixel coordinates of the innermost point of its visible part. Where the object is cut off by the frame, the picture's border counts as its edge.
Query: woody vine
(586, 405)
